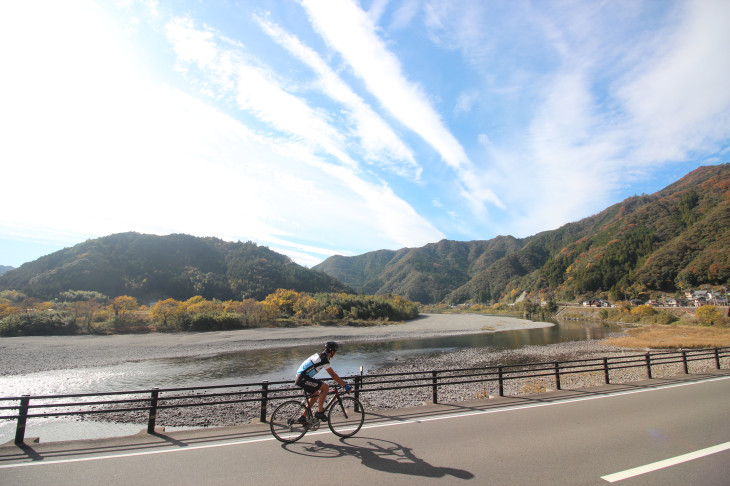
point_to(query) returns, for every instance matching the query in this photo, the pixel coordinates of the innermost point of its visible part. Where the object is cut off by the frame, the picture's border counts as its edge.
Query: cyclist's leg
(323, 391)
(313, 398)
(313, 387)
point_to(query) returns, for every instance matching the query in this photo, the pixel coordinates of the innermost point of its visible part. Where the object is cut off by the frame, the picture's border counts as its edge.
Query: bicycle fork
(342, 407)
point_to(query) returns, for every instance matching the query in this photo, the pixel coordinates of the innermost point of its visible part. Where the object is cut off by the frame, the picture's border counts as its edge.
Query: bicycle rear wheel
(285, 421)
(346, 416)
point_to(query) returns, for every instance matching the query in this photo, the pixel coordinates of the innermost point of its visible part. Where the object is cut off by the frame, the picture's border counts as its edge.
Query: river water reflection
(277, 364)
(280, 364)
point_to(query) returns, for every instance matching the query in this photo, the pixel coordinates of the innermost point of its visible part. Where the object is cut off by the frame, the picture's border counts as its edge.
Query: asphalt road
(581, 437)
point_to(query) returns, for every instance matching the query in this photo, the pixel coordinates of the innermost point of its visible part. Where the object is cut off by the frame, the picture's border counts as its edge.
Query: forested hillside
(151, 268)
(676, 238)
(427, 274)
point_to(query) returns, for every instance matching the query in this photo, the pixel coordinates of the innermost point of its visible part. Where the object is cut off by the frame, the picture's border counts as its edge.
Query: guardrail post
(434, 380)
(717, 358)
(648, 365)
(264, 400)
(358, 384)
(557, 375)
(684, 361)
(501, 381)
(153, 411)
(22, 419)
(605, 371)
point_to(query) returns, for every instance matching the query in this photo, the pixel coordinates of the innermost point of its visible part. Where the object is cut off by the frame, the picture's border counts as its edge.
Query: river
(275, 364)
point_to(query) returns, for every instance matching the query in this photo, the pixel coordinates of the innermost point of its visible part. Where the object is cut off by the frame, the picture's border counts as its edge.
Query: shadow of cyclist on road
(383, 455)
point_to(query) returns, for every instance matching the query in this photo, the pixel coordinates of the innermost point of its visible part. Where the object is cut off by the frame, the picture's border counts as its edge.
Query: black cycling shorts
(309, 384)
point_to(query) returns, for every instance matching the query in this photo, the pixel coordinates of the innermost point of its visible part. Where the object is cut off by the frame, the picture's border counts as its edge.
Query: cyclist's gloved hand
(348, 388)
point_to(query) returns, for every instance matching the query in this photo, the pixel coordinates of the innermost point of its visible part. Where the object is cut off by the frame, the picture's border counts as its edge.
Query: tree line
(87, 312)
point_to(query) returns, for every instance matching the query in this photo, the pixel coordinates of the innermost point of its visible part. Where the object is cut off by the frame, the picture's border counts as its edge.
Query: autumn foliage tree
(122, 305)
(283, 301)
(165, 310)
(709, 315)
(83, 312)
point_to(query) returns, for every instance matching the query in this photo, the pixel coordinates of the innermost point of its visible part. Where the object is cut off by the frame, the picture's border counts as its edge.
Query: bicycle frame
(345, 416)
(328, 403)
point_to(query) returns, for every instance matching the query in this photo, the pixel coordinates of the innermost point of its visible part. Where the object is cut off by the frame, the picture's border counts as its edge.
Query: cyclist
(315, 387)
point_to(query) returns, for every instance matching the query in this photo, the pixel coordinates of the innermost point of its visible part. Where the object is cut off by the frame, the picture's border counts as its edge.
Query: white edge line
(654, 466)
(373, 426)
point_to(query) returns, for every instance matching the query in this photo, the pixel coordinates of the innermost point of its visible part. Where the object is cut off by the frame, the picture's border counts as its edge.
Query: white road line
(391, 423)
(637, 471)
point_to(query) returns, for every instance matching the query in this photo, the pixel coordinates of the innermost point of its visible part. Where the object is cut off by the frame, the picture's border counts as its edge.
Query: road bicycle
(292, 419)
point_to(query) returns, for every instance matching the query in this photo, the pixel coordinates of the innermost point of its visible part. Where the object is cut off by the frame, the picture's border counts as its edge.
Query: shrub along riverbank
(663, 327)
(624, 313)
(658, 328)
(80, 312)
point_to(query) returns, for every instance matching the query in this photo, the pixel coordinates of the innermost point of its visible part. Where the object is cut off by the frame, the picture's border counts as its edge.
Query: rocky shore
(31, 354)
(68, 352)
(236, 414)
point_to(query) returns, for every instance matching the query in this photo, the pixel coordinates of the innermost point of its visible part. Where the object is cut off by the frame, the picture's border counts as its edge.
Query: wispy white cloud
(259, 92)
(404, 15)
(103, 148)
(605, 100)
(381, 144)
(349, 31)
(465, 101)
(256, 89)
(464, 26)
(679, 101)
(376, 9)
(336, 126)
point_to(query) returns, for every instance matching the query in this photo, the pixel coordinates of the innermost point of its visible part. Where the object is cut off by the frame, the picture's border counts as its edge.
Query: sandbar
(29, 354)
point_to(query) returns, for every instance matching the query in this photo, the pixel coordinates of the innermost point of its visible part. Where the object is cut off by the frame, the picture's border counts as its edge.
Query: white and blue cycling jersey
(312, 365)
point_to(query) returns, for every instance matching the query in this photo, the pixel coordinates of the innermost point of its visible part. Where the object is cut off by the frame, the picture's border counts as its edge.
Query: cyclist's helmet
(331, 346)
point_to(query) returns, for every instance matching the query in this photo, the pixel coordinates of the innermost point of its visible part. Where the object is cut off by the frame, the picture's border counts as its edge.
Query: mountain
(427, 274)
(5, 269)
(151, 267)
(676, 238)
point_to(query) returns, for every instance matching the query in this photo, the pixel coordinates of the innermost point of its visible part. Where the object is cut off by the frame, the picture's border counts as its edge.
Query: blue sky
(322, 127)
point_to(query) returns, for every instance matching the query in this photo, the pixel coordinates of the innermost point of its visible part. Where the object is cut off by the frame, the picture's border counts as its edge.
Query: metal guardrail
(151, 401)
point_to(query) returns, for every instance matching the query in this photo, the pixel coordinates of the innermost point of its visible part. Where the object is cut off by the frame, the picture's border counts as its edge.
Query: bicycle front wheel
(346, 416)
(286, 423)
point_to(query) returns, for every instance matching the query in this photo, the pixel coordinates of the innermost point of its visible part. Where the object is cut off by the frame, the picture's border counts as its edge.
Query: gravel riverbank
(39, 354)
(236, 414)
(30, 354)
